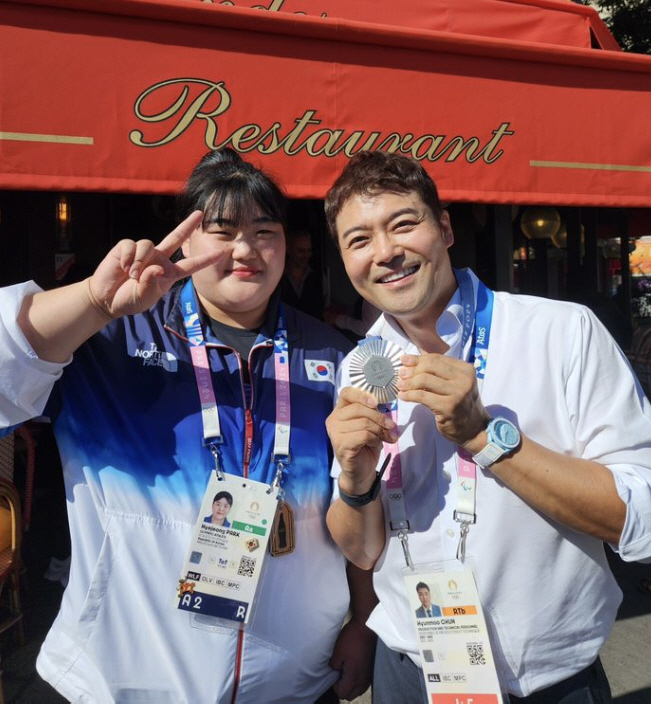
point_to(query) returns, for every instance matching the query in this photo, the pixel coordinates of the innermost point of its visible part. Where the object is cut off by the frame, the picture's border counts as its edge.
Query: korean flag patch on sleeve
(318, 370)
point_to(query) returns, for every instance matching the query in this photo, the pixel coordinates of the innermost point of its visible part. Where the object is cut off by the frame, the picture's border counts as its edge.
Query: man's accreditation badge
(222, 570)
(374, 367)
(453, 641)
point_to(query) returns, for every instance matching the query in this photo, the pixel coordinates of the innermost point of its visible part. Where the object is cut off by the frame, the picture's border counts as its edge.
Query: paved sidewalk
(627, 653)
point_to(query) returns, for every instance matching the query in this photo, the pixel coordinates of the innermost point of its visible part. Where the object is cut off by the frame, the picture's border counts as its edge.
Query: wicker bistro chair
(19, 445)
(11, 613)
(640, 357)
(16, 449)
(10, 558)
(7, 460)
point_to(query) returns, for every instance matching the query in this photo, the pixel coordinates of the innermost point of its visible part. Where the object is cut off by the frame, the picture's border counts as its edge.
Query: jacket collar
(174, 319)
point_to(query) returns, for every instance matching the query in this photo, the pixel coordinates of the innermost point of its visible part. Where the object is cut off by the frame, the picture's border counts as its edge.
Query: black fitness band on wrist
(356, 501)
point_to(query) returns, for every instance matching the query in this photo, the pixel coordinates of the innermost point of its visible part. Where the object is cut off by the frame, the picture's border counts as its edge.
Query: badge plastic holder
(454, 643)
(224, 564)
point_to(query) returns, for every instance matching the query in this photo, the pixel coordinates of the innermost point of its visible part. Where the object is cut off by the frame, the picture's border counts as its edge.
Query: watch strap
(358, 500)
(488, 456)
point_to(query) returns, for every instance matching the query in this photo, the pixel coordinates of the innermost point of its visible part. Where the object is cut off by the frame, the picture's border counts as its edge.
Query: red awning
(128, 96)
(539, 21)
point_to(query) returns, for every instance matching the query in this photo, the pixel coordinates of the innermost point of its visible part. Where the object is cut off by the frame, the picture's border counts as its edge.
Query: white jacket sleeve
(25, 380)
(612, 420)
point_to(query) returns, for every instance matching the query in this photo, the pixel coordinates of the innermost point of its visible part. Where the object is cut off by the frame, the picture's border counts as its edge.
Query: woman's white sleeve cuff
(25, 380)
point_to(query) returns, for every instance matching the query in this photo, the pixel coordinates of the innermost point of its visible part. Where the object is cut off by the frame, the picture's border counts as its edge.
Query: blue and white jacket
(127, 420)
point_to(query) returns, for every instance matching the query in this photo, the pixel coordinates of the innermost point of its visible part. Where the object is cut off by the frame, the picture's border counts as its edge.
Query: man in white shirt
(560, 437)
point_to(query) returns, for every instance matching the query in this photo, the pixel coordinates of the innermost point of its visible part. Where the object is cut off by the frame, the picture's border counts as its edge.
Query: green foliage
(628, 20)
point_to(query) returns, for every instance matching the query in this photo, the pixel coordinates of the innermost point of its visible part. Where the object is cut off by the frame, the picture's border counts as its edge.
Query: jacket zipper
(248, 416)
(248, 450)
(238, 664)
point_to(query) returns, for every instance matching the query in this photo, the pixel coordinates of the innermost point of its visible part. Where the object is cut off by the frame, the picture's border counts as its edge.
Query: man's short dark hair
(422, 585)
(373, 173)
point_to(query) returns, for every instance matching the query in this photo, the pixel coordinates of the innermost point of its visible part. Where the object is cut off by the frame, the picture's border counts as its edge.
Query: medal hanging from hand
(374, 367)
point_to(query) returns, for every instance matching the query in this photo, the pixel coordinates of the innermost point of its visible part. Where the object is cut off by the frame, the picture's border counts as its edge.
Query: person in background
(525, 404)
(113, 361)
(353, 326)
(301, 286)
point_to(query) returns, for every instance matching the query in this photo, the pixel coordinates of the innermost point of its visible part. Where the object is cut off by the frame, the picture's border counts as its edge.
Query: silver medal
(374, 368)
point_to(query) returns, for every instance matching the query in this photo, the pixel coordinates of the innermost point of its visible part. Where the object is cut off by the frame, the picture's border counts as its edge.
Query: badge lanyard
(222, 571)
(465, 514)
(476, 322)
(212, 437)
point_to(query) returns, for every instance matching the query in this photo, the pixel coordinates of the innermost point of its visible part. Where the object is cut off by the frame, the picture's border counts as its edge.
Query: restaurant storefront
(107, 105)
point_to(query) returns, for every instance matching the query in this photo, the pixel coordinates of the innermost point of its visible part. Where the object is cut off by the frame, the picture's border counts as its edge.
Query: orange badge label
(459, 610)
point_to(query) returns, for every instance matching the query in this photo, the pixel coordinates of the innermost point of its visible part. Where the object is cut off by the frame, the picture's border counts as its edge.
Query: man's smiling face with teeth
(395, 253)
(398, 275)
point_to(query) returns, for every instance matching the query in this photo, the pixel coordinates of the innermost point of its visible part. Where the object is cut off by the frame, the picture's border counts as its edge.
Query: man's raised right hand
(357, 430)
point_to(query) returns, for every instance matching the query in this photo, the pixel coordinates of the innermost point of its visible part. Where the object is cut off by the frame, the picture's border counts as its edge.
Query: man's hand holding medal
(357, 427)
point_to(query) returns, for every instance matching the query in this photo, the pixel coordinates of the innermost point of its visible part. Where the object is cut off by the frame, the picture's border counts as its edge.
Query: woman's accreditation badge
(222, 570)
(374, 367)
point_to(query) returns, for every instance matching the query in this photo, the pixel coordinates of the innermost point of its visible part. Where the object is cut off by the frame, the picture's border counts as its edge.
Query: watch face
(506, 434)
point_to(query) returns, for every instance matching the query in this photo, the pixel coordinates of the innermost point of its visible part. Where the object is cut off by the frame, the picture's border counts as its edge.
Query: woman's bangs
(237, 201)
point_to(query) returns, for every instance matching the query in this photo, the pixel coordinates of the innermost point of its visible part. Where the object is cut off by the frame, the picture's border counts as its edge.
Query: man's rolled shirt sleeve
(635, 492)
(612, 422)
(25, 380)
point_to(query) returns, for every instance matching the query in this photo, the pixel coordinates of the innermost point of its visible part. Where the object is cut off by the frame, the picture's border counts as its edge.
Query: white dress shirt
(549, 597)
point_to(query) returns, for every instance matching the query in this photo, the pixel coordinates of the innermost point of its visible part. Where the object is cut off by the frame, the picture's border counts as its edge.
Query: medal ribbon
(212, 437)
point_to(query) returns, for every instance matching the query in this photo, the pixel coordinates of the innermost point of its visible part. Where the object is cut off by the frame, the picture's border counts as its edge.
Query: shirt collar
(449, 326)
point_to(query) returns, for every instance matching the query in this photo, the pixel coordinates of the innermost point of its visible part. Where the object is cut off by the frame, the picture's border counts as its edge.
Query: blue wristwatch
(503, 439)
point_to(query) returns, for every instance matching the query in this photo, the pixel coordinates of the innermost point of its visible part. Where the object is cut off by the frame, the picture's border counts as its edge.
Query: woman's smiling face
(236, 290)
